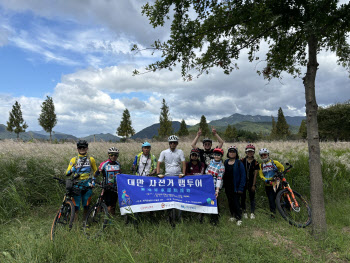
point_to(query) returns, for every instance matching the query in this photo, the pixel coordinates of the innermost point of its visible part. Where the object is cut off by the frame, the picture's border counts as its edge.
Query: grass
(29, 199)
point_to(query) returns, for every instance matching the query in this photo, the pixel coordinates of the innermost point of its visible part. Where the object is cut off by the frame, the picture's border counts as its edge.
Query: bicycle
(65, 215)
(290, 204)
(97, 218)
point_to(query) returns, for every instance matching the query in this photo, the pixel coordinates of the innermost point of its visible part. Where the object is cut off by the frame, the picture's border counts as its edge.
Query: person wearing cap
(84, 167)
(145, 163)
(206, 154)
(234, 182)
(173, 158)
(110, 169)
(251, 168)
(194, 166)
(216, 169)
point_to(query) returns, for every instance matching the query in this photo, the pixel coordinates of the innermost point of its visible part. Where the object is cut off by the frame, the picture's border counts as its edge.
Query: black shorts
(110, 198)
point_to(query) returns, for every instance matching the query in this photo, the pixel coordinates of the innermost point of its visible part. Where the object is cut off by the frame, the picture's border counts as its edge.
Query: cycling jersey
(268, 169)
(83, 164)
(110, 170)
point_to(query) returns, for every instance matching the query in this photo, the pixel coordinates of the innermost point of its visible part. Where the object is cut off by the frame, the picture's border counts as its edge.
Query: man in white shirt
(173, 158)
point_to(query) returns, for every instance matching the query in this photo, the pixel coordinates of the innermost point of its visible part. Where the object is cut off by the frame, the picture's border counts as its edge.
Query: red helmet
(250, 147)
(218, 150)
(195, 151)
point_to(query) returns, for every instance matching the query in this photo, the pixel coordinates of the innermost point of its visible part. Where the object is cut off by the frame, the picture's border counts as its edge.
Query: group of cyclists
(236, 176)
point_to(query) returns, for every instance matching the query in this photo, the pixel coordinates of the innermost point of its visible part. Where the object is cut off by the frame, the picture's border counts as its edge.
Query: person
(251, 168)
(175, 165)
(145, 163)
(206, 154)
(195, 166)
(173, 158)
(216, 169)
(234, 181)
(268, 168)
(81, 167)
(110, 169)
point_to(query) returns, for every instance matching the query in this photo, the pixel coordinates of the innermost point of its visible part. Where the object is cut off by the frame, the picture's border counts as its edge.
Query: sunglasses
(172, 142)
(217, 154)
(194, 154)
(82, 148)
(113, 154)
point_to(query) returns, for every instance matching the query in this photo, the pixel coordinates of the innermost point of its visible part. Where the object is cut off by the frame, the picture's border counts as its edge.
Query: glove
(73, 170)
(268, 182)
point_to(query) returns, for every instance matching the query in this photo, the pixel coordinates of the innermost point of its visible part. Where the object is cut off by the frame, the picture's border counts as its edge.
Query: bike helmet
(195, 151)
(264, 151)
(113, 150)
(82, 144)
(250, 148)
(173, 138)
(146, 144)
(207, 140)
(232, 148)
(219, 150)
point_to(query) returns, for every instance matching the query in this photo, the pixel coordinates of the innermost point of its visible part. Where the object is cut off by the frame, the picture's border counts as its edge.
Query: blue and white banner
(191, 193)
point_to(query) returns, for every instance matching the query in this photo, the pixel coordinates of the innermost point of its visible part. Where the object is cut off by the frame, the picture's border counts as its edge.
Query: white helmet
(264, 151)
(173, 138)
(113, 150)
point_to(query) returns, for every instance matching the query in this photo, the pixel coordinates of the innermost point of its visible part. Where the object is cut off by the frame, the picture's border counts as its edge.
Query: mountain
(151, 131)
(237, 118)
(102, 137)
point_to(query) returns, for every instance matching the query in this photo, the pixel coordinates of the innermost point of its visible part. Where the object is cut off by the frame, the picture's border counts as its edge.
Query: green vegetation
(203, 125)
(165, 128)
(47, 118)
(125, 129)
(29, 199)
(183, 129)
(16, 123)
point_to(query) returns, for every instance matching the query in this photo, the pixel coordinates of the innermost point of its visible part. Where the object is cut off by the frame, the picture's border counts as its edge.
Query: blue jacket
(239, 175)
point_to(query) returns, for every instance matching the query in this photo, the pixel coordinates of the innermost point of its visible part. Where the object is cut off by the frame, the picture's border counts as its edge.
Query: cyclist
(251, 168)
(175, 165)
(82, 166)
(110, 169)
(268, 168)
(206, 154)
(145, 163)
(234, 181)
(173, 158)
(216, 169)
(194, 166)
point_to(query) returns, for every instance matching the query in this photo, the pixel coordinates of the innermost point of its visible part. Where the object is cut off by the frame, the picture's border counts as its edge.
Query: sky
(79, 53)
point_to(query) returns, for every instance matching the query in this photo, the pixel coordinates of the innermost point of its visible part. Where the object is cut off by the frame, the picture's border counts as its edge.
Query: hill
(151, 131)
(102, 137)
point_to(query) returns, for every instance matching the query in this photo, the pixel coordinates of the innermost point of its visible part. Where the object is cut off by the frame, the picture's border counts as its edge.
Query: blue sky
(79, 52)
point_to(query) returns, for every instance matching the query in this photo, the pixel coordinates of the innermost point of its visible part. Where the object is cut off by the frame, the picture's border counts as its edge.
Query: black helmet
(82, 144)
(207, 140)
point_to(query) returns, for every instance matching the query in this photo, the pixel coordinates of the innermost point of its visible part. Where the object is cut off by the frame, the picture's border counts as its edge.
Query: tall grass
(29, 198)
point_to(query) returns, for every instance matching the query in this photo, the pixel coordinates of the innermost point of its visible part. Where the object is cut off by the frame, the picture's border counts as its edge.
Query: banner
(142, 193)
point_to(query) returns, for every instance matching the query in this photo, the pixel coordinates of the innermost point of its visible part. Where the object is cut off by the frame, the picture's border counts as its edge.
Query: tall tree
(166, 127)
(47, 118)
(334, 122)
(16, 123)
(183, 129)
(230, 133)
(125, 129)
(273, 134)
(295, 31)
(282, 127)
(203, 125)
(302, 133)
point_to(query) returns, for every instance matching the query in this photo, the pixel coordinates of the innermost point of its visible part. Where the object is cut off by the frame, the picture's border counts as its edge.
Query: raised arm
(199, 133)
(221, 141)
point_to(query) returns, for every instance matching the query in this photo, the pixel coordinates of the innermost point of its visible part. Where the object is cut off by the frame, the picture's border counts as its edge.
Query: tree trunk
(50, 137)
(319, 225)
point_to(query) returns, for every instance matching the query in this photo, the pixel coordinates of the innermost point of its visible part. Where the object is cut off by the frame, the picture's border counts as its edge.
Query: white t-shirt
(173, 161)
(143, 171)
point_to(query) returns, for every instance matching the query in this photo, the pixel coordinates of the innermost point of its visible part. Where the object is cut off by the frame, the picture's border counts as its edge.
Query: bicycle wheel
(300, 215)
(63, 219)
(96, 220)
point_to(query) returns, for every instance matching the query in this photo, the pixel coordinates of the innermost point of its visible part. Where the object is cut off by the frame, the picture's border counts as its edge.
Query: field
(29, 199)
